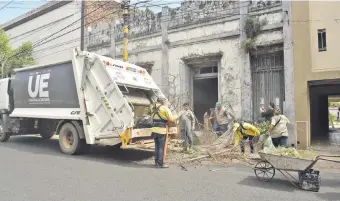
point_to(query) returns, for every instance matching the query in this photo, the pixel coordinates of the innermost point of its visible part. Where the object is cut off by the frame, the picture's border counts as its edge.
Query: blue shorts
(280, 141)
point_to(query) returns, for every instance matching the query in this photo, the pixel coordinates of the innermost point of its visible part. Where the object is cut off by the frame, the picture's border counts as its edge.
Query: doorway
(267, 80)
(324, 134)
(205, 93)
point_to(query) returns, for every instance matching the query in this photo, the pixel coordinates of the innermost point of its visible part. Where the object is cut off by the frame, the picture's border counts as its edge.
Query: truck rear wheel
(3, 136)
(69, 140)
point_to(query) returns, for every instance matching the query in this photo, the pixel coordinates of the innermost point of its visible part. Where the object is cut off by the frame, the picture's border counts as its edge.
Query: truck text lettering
(38, 93)
(75, 112)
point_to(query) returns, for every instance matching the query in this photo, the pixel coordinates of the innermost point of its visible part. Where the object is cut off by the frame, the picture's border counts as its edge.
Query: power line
(39, 41)
(32, 8)
(6, 5)
(78, 38)
(30, 33)
(23, 2)
(59, 50)
(101, 18)
(45, 26)
(100, 6)
(70, 41)
(67, 42)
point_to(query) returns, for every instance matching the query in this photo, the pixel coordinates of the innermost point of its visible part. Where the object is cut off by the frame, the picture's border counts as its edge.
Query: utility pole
(165, 51)
(82, 24)
(126, 18)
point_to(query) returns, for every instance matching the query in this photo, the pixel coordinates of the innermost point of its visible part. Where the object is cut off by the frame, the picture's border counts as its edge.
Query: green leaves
(333, 104)
(14, 58)
(263, 126)
(252, 28)
(5, 48)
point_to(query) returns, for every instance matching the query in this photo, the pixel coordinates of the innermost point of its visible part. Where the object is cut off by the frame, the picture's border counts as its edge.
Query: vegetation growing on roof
(252, 28)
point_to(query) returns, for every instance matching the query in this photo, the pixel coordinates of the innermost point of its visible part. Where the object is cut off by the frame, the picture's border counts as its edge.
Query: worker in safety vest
(245, 131)
(162, 116)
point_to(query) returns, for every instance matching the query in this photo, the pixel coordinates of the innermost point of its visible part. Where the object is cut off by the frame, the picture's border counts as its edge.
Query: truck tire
(69, 140)
(46, 135)
(3, 136)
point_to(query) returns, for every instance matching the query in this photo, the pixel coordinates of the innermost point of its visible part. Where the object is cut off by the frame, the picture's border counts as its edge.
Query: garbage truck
(91, 99)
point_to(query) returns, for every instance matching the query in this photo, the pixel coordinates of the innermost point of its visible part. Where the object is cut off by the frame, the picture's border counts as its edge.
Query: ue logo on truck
(38, 90)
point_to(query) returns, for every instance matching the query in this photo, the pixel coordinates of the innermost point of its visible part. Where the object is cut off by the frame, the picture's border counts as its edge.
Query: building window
(322, 40)
(206, 70)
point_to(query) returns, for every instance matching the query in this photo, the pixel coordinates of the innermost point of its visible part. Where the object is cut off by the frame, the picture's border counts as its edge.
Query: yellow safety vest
(161, 118)
(248, 130)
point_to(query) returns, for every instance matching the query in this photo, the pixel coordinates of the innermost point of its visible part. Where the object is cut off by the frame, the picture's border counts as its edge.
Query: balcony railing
(264, 4)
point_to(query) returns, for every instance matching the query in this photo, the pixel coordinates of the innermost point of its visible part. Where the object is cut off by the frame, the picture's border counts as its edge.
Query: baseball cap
(218, 104)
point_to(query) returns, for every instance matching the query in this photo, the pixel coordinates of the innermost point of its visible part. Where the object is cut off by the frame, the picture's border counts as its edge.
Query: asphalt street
(33, 169)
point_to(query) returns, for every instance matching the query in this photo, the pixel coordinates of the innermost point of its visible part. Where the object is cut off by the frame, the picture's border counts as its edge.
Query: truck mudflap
(105, 112)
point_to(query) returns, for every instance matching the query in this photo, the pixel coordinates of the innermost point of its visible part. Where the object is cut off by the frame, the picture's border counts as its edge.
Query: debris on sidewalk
(207, 148)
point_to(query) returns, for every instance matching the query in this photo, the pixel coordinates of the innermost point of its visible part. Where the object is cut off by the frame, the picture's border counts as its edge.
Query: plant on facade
(11, 58)
(252, 28)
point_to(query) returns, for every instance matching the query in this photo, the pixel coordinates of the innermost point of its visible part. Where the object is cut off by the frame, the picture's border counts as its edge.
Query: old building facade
(196, 53)
(242, 53)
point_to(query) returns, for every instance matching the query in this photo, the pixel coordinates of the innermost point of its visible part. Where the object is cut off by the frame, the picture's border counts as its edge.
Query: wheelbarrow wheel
(264, 171)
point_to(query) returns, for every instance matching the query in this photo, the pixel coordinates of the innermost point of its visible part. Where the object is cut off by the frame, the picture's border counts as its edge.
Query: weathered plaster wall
(289, 65)
(230, 86)
(137, 44)
(245, 69)
(198, 29)
(156, 57)
(269, 38)
(194, 12)
(273, 17)
(272, 31)
(201, 31)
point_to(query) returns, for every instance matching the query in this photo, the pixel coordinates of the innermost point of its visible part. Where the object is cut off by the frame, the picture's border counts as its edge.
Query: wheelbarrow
(308, 179)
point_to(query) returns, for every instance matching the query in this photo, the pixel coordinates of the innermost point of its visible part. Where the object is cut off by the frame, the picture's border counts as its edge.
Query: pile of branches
(210, 148)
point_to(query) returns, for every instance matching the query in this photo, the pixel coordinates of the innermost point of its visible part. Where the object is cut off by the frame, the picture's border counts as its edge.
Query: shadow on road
(274, 184)
(333, 183)
(103, 154)
(329, 196)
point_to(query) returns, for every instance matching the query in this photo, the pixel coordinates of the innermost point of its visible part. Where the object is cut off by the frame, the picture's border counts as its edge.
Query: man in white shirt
(278, 129)
(222, 118)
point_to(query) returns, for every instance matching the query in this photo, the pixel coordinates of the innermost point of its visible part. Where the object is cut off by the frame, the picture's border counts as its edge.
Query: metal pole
(126, 17)
(82, 24)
